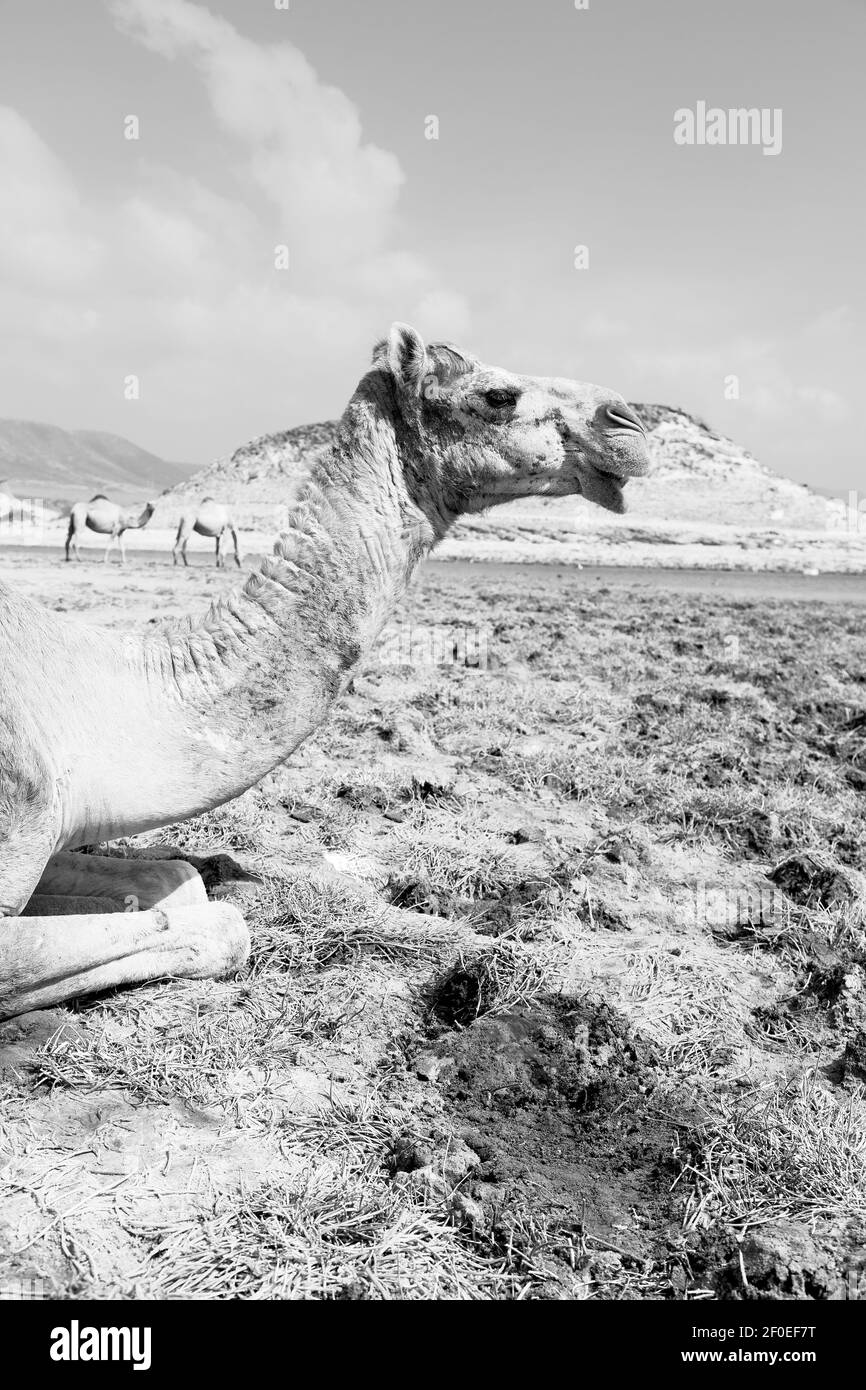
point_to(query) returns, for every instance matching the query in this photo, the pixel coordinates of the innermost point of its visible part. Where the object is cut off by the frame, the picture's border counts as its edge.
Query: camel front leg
(178, 542)
(50, 960)
(94, 922)
(237, 551)
(181, 542)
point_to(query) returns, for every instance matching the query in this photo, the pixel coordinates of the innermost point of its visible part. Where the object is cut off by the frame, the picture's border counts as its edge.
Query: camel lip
(612, 475)
(602, 486)
(632, 461)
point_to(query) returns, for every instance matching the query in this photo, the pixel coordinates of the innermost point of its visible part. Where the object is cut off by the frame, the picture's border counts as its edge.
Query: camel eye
(500, 398)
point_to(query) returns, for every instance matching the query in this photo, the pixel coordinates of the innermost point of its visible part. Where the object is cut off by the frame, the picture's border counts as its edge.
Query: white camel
(209, 518)
(106, 734)
(107, 519)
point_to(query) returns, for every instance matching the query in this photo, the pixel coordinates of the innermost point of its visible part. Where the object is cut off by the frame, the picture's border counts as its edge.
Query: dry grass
(798, 1153)
(497, 980)
(607, 716)
(202, 1043)
(334, 1234)
(687, 1008)
(311, 922)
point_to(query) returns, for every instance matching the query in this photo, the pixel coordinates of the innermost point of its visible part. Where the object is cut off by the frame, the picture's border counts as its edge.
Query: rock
(782, 1261)
(410, 1153)
(618, 852)
(425, 1180)
(854, 1057)
(458, 1161)
(467, 1211)
(432, 1068)
(812, 881)
(434, 777)
(605, 1265)
(528, 835)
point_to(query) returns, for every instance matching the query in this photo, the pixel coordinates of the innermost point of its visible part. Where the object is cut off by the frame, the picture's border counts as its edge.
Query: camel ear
(407, 358)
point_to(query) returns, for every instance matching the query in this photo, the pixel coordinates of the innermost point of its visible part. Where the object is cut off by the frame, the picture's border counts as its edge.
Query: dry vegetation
(557, 986)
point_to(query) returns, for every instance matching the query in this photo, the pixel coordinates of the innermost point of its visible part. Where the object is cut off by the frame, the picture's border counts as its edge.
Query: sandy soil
(150, 586)
(557, 986)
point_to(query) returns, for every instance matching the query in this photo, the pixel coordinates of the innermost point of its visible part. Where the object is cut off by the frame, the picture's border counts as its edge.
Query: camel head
(495, 435)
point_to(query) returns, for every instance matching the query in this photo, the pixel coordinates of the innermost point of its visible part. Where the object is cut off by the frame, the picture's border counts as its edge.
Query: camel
(209, 518)
(108, 519)
(105, 733)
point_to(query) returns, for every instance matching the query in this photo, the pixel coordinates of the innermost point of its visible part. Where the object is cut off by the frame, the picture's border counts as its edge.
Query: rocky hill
(699, 478)
(706, 503)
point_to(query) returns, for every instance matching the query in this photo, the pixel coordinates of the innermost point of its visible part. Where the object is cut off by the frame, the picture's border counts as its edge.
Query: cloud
(305, 151)
(827, 403)
(175, 281)
(44, 232)
(769, 390)
(441, 314)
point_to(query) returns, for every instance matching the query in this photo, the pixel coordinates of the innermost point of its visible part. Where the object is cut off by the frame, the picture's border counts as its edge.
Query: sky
(227, 272)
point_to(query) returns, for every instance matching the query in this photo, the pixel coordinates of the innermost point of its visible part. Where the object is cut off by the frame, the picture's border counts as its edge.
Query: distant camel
(106, 518)
(210, 518)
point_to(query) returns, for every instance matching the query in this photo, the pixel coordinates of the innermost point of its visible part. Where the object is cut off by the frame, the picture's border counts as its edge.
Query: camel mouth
(601, 487)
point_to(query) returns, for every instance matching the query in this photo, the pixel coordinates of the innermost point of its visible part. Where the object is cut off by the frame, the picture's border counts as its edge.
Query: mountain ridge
(38, 459)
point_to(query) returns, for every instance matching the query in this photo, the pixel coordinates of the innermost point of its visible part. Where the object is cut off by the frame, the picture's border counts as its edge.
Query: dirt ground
(558, 981)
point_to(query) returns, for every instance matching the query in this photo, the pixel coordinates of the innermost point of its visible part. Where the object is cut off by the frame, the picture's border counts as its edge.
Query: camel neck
(260, 672)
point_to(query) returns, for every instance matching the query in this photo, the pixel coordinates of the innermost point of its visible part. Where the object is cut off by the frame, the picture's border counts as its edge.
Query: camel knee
(19, 877)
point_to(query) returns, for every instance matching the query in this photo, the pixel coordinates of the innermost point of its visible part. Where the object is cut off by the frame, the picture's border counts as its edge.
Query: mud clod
(562, 1053)
(780, 1261)
(812, 881)
(854, 1057)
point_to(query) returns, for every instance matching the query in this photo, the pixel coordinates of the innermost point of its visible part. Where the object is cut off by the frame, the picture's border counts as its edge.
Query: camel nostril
(622, 417)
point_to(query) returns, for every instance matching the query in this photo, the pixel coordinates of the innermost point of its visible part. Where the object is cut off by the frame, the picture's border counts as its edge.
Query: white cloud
(441, 314)
(305, 150)
(768, 390)
(175, 281)
(828, 403)
(44, 233)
